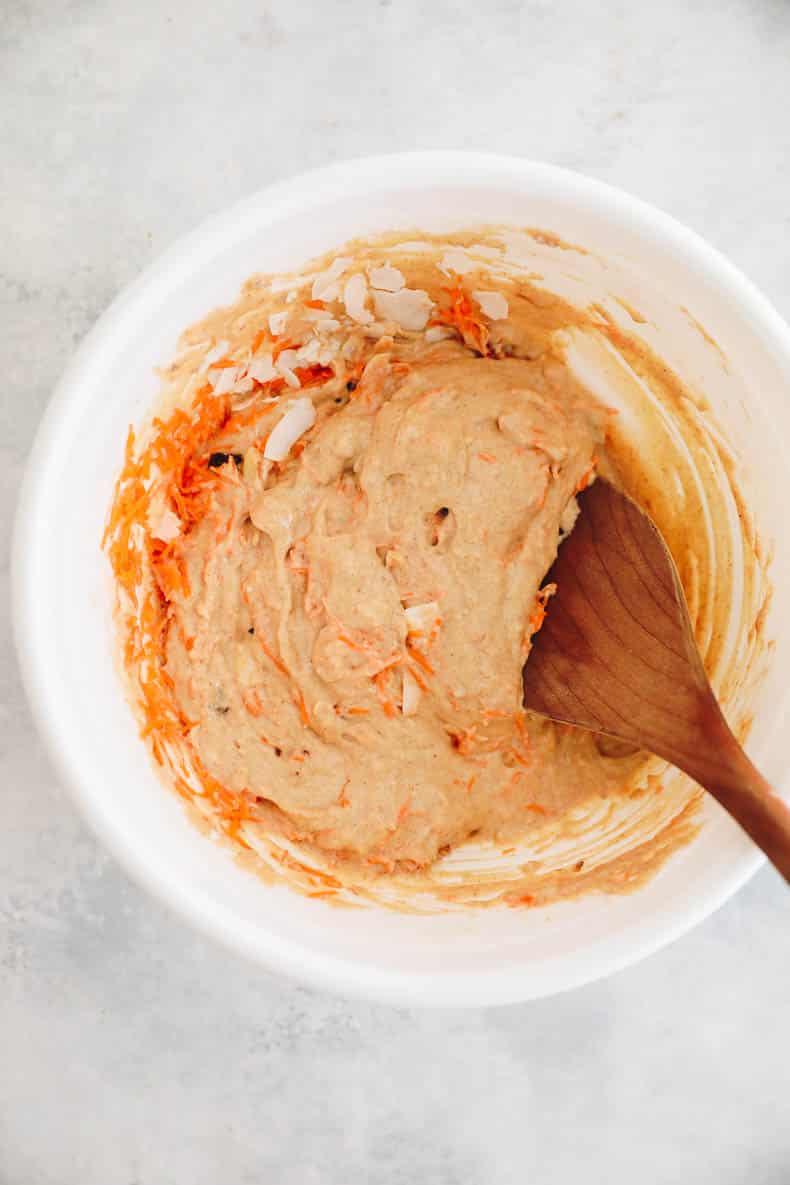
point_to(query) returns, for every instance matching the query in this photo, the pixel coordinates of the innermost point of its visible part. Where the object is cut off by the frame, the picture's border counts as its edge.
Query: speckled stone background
(133, 1052)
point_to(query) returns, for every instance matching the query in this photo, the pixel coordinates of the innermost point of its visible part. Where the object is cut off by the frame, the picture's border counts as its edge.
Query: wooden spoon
(616, 655)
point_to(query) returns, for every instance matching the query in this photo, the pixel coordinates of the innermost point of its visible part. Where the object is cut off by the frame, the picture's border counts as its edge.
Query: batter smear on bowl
(330, 546)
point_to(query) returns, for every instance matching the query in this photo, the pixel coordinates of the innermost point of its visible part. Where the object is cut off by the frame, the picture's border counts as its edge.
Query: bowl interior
(63, 591)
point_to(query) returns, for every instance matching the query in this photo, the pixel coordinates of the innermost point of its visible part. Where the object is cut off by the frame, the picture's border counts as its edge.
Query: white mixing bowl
(63, 591)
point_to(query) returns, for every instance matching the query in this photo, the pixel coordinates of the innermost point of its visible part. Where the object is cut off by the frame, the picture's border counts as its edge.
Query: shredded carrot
(283, 344)
(360, 646)
(302, 706)
(309, 376)
(526, 899)
(393, 662)
(587, 477)
(316, 874)
(536, 808)
(169, 568)
(379, 862)
(281, 667)
(489, 458)
(419, 658)
(252, 702)
(186, 485)
(539, 612)
(315, 304)
(537, 618)
(520, 726)
(173, 468)
(405, 809)
(464, 314)
(386, 703)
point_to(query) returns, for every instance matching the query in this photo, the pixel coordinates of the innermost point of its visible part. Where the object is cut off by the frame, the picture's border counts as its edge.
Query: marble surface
(133, 1051)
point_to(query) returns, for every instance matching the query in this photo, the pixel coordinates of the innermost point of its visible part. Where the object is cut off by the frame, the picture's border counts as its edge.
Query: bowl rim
(308, 189)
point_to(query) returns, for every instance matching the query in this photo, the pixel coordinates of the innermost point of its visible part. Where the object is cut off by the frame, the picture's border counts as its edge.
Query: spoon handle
(723, 769)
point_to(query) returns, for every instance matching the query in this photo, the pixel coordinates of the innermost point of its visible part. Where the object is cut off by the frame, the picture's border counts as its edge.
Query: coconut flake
(262, 369)
(377, 331)
(322, 320)
(493, 304)
(167, 527)
(327, 325)
(214, 355)
(277, 323)
(354, 296)
(285, 366)
(308, 352)
(411, 307)
(456, 260)
(412, 693)
(330, 293)
(298, 419)
(423, 619)
(225, 380)
(438, 333)
(519, 248)
(249, 466)
(324, 285)
(283, 284)
(386, 278)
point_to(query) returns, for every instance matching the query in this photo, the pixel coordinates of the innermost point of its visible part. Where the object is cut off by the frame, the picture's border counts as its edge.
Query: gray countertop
(133, 1051)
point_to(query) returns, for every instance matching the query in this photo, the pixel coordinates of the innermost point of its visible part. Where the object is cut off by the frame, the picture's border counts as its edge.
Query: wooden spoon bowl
(617, 655)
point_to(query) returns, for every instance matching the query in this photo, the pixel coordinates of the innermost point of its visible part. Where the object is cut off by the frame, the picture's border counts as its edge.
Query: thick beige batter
(324, 626)
(353, 640)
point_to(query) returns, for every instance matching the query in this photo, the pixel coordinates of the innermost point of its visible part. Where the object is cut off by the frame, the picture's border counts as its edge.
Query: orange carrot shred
(539, 613)
(464, 314)
(386, 703)
(526, 899)
(302, 706)
(587, 477)
(420, 658)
